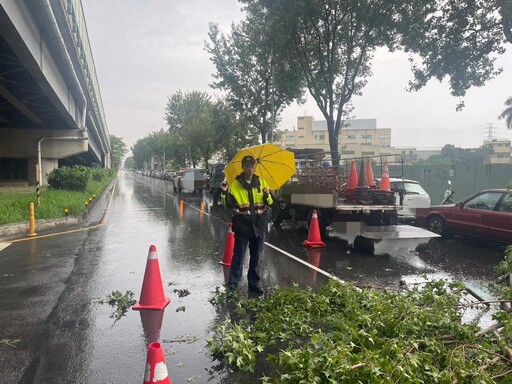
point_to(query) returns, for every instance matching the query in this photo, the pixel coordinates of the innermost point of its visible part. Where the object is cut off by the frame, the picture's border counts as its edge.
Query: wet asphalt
(52, 287)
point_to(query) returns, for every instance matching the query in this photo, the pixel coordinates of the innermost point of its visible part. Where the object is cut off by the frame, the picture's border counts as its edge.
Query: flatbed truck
(365, 217)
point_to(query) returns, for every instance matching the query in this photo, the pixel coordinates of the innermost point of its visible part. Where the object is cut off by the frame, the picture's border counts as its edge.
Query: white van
(412, 196)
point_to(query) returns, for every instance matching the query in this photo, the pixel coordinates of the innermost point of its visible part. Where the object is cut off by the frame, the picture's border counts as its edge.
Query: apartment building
(358, 137)
(502, 151)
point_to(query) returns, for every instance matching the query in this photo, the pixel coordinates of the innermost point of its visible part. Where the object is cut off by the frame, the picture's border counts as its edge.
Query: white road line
(329, 275)
(4, 245)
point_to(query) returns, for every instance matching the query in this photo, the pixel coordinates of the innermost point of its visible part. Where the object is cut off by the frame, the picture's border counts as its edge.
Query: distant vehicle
(485, 215)
(190, 181)
(216, 178)
(412, 197)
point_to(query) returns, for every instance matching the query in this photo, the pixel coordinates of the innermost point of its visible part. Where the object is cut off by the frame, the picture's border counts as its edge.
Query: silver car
(412, 196)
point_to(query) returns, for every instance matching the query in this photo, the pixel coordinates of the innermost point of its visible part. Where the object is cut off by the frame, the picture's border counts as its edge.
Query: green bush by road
(14, 201)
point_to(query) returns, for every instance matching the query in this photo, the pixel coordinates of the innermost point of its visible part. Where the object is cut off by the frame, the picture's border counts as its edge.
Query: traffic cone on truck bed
(369, 174)
(384, 181)
(352, 176)
(152, 293)
(314, 239)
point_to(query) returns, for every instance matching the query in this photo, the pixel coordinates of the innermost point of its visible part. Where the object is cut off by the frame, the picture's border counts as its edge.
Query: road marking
(329, 275)
(4, 245)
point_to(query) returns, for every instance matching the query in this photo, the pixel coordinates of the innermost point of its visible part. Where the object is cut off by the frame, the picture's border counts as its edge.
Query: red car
(485, 215)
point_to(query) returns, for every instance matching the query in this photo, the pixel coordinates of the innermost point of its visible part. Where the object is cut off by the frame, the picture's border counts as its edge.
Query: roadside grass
(14, 201)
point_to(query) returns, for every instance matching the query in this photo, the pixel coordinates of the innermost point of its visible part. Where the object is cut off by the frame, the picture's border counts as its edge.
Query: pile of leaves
(342, 334)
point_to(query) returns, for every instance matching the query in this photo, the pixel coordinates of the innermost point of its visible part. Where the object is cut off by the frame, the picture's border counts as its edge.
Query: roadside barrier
(314, 239)
(229, 246)
(156, 368)
(152, 293)
(32, 221)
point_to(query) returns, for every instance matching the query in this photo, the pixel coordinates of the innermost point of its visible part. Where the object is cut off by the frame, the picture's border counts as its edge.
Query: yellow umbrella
(274, 164)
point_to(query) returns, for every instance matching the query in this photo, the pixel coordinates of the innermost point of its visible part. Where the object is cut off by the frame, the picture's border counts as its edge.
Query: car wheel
(437, 225)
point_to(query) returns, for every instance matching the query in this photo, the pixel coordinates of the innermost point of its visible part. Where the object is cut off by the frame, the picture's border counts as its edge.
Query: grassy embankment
(14, 201)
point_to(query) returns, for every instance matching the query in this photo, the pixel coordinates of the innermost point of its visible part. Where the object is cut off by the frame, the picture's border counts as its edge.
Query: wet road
(51, 286)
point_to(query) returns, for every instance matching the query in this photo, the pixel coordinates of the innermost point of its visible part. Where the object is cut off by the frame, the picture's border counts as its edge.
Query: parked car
(412, 197)
(484, 215)
(190, 181)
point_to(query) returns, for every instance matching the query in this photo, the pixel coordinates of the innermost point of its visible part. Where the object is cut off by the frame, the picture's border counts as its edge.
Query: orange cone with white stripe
(229, 246)
(384, 181)
(152, 294)
(314, 239)
(369, 174)
(352, 176)
(156, 369)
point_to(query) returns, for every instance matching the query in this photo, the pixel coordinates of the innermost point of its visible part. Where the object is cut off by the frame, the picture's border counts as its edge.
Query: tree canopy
(507, 113)
(119, 149)
(332, 44)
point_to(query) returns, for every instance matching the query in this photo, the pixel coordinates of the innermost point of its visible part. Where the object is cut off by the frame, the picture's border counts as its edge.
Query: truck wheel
(437, 225)
(277, 213)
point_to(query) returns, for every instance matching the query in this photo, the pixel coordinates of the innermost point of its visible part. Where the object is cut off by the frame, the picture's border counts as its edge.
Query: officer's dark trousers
(255, 248)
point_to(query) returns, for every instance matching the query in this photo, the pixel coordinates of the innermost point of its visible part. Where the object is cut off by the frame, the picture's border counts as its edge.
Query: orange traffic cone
(384, 182)
(314, 239)
(152, 294)
(363, 180)
(156, 369)
(352, 176)
(229, 246)
(369, 174)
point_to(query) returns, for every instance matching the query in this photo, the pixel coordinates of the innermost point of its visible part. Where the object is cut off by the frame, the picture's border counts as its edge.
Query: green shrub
(97, 173)
(73, 178)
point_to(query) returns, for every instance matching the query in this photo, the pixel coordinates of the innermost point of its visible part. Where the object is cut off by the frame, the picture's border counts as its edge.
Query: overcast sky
(145, 51)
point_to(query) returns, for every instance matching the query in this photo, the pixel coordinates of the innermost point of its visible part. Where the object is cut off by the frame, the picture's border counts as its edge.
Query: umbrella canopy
(274, 164)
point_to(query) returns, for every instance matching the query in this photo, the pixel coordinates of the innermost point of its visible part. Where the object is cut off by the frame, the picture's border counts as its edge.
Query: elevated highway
(51, 112)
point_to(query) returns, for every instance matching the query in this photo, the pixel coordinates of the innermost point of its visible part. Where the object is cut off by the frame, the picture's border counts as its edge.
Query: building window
(348, 152)
(366, 136)
(319, 137)
(351, 137)
(384, 136)
(289, 138)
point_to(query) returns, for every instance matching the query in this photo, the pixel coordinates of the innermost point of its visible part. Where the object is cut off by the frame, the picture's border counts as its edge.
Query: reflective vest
(238, 198)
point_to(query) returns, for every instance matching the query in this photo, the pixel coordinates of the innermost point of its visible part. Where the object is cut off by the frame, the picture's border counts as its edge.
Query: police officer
(250, 199)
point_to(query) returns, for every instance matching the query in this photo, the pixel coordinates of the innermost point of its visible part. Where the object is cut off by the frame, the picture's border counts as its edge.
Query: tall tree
(259, 81)
(119, 149)
(189, 119)
(507, 113)
(232, 132)
(334, 42)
